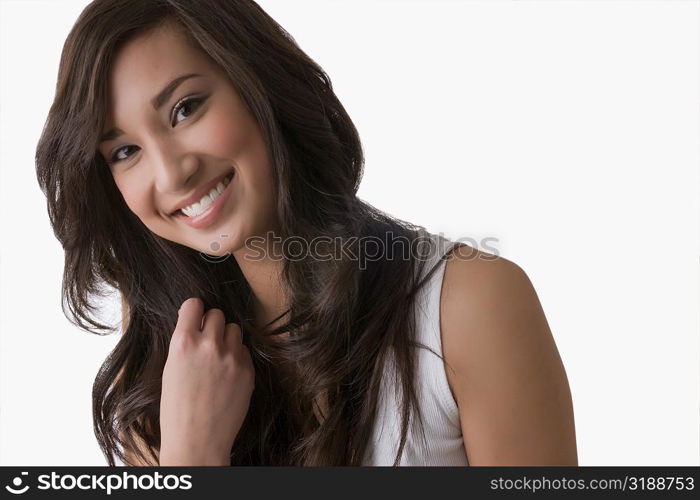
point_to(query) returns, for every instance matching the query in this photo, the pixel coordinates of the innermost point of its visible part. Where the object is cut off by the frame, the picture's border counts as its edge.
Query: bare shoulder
(502, 364)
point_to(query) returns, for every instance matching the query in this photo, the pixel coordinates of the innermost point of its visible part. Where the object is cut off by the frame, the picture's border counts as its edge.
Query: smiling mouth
(179, 212)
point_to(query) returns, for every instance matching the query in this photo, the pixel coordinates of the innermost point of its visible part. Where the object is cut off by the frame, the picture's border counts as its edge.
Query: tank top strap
(428, 331)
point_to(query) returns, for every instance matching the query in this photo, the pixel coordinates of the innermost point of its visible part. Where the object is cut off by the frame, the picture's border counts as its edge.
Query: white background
(567, 130)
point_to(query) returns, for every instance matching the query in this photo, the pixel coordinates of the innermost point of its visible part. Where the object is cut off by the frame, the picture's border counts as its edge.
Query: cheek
(134, 196)
(226, 134)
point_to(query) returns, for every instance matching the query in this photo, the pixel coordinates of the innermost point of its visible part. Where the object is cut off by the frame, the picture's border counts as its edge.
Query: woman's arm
(133, 460)
(504, 368)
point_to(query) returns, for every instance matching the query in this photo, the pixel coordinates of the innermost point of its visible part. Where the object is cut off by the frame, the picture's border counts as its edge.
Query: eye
(114, 158)
(186, 104)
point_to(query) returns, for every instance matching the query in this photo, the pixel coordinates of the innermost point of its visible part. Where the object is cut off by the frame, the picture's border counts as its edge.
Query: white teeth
(199, 207)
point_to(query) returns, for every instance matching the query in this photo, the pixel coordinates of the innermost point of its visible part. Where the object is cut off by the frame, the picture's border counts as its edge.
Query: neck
(263, 274)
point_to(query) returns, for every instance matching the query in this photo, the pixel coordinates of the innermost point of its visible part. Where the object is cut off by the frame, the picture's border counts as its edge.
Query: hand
(207, 384)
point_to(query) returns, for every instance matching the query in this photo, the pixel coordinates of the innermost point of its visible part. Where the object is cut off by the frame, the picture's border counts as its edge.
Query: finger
(213, 326)
(189, 318)
(233, 336)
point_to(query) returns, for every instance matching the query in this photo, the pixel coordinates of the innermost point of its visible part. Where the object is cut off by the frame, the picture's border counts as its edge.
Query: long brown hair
(343, 318)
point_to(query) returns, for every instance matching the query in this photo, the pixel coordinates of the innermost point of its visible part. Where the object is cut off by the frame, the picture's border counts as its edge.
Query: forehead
(146, 63)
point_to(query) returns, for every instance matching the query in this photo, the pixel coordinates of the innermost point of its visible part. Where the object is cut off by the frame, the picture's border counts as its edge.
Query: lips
(212, 213)
(200, 192)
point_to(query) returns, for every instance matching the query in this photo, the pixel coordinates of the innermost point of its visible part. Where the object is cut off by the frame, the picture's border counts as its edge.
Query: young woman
(192, 148)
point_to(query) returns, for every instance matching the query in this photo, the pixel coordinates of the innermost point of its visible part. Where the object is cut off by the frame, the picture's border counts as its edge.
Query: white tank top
(443, 434)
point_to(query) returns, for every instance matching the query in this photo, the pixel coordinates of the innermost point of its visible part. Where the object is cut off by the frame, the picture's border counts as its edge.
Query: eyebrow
(157, 102)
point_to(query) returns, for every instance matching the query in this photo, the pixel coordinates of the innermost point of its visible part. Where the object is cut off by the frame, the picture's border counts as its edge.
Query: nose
(172, 168)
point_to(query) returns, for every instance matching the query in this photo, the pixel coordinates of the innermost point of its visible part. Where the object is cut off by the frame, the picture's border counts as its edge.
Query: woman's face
(169, 152)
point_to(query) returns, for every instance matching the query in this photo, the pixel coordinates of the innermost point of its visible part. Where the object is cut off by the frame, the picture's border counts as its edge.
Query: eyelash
(176, 109)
